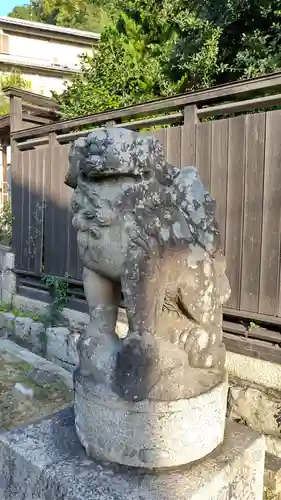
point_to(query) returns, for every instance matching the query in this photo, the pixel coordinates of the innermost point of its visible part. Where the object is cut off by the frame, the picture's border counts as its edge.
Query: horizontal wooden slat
(237, 107)
(247, 105)
(42, 111)
(27, 96)
(34, 293)
(252, 348)
(4, 121)
(251, 316)
(31, 144)
(133, 125)
(252, 332)
(231, 327)
(32, 119)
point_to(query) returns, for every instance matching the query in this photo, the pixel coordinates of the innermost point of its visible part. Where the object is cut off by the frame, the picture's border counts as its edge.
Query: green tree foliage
(14, 79)
(155, 48)
(249, 43)
(22, 12)
(34, 11)
(151, 49)
(79, 14)
(118, 74)
(6, 219)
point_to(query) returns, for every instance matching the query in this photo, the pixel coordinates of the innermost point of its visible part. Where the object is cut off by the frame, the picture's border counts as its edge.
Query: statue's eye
(88, 214)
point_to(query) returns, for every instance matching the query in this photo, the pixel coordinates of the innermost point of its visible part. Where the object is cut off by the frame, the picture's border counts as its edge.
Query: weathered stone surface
(9, 320)
(73, 340)
(8, 263)
(56, 342)
(272, 475)
(8, 279)
(258, 408)
(61, 341)
(10, 348)
(23, 327)
(273, 445)
(149, 230)
(154, 434)
(3, 327)
(46, 461)
(62, 345)
(3, 322)
(37, 331)
(42, 377)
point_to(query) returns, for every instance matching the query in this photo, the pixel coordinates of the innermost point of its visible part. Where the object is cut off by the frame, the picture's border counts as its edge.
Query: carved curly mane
(168, 203)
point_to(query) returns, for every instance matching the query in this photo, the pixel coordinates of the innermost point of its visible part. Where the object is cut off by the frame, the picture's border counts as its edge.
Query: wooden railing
(236, 150)
(204, 103)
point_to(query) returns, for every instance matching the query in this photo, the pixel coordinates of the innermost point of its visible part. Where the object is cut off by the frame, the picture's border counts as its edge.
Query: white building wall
(41, 61)
(30, 51)
(51, 51)
(42, 84)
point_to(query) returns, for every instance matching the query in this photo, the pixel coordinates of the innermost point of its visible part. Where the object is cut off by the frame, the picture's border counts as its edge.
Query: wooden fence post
(16, 184)
(15, 113)
(188, 136)
(52, 136)
(4, 173)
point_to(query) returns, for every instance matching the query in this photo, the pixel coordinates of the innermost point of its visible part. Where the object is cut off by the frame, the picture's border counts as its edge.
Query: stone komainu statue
(146, 230)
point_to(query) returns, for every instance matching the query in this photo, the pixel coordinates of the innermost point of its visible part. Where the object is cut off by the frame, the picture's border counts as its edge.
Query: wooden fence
(239, 161)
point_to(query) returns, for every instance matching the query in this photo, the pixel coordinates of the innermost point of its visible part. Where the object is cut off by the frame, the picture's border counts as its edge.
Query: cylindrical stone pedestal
(151, 434)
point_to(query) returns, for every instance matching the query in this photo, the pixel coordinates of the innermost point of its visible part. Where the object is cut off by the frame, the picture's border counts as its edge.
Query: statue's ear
(75, 156)
(70, 180)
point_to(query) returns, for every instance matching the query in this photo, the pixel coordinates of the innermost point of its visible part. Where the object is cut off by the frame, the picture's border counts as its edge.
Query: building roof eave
(48, 31)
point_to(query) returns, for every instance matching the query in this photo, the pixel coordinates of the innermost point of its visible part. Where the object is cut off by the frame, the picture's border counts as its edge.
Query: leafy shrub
(6, 219)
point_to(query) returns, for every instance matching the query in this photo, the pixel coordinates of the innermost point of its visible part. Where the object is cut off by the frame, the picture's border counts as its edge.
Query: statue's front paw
(97, 355)
(137, 368)
(201, 346)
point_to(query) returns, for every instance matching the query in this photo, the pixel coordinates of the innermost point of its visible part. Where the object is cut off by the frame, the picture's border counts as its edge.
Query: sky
(7, 5)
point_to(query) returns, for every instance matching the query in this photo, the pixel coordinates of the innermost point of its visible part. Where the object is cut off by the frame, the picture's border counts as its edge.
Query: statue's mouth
(95, 172)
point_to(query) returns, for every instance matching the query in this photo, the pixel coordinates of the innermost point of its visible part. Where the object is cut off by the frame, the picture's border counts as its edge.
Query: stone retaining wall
(259, 408)
(57, 343)
(3, 251)
(7, 275)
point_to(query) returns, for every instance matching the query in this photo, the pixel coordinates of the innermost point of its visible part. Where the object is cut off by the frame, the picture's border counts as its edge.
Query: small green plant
(268, 495)
(13, 79)
(5, 307)
(22, 313)
(58, 288)
(253, 325)
(6, 219)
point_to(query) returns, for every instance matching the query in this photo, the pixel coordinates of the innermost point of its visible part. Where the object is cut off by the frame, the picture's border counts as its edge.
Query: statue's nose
(93, 162)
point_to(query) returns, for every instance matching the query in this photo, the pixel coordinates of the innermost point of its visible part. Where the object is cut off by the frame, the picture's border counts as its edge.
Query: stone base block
(46, 461)
(150, 434)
